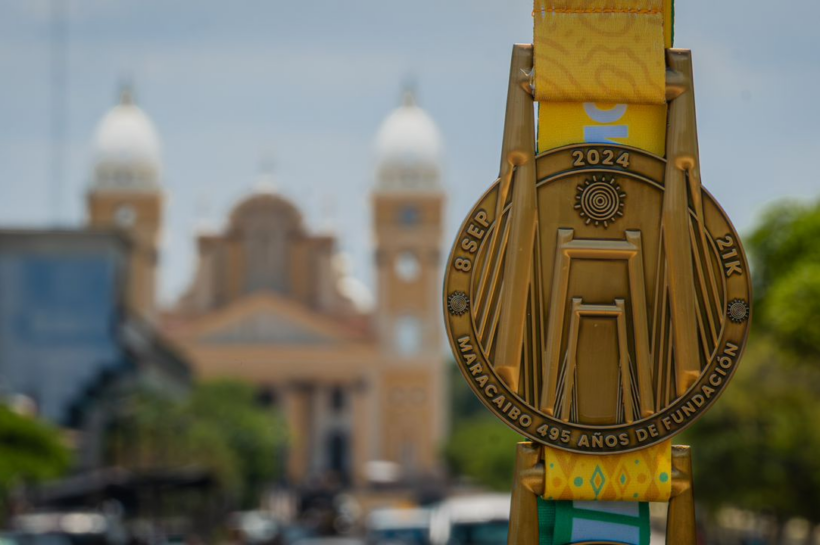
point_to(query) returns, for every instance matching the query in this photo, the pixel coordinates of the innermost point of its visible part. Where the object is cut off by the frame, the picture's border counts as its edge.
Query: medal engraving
(627, 263)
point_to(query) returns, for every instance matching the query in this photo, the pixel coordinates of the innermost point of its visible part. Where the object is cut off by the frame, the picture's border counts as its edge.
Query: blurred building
(361, 386)
(69, 347)
(360, 383)
(76, 305)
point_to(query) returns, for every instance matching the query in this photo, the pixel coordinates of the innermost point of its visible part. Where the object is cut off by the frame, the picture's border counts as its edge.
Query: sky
(304, 85)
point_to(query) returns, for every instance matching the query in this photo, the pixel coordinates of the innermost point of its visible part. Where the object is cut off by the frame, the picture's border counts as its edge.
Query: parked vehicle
(64, 528)
(471, 520)
(293, 534)
(330, 541)
(256, 527)
(398, 527)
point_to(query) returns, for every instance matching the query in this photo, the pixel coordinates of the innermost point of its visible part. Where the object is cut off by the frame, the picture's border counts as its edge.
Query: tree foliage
(480, 446)
(31, 451)
(792, 307)
(787, 235)
(162, 433)
(256, 436)
(785, 250)
(757, 447)
(464, 404)
(483, 449)
(219, 427)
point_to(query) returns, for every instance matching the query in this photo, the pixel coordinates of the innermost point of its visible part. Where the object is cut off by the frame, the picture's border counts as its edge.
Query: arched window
(408, 335)
(407, 266)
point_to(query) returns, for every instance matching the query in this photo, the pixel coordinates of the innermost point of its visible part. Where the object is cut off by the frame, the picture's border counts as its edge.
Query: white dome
(350, 287)
(126, 148)
(408, 149)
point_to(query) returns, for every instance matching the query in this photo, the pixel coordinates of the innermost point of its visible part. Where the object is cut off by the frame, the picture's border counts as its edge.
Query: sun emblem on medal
(600, 201)
(737, 310)
(458, 303)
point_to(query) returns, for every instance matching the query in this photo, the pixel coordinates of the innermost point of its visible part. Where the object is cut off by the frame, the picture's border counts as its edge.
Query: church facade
(361, 387)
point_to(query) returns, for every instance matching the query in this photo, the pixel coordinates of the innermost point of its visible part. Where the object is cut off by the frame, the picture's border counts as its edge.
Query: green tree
(785, 252)
(480, 447)
(483, 449)
(31, 451)
(464, 404)
(220, 427)
(757, 448)
(788, 234)
(255, 435)
(791, 309)
(162, 433)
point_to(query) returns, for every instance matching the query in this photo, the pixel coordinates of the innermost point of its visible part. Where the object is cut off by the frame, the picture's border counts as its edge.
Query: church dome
(408, 149)
(126, 148)
(265, 211)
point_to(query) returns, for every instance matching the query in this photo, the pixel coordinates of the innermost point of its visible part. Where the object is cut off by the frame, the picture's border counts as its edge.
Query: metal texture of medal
(600, 371)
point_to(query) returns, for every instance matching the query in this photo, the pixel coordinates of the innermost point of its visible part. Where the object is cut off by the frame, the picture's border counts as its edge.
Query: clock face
(409, 215)
(125, 215)
(407, 266)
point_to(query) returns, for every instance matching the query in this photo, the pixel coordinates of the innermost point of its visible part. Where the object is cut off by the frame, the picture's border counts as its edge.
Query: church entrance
(338, 455)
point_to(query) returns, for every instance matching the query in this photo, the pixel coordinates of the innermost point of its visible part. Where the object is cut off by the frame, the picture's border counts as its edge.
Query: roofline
(67, 232)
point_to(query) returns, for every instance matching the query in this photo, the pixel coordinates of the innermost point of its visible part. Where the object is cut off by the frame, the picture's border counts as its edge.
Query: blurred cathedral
(360, 387)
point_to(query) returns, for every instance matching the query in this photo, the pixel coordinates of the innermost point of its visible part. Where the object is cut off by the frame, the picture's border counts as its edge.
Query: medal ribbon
(600, 76)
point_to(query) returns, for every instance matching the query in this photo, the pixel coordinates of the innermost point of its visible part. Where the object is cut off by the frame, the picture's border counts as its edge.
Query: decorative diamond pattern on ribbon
(644, 475)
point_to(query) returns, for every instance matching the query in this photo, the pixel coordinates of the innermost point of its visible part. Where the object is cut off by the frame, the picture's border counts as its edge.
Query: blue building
(77, 306)
(68, 342)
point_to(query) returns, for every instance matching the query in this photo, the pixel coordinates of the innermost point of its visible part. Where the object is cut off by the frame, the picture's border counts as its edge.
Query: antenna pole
(58, 106)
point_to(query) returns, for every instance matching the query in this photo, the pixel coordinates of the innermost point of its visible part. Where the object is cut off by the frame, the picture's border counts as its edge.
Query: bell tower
(408, 207)
(125, 193)
(408, 218)
(408, 231)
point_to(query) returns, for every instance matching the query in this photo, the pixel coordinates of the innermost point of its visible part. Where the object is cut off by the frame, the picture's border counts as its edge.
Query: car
(330, 541)
(65, 528)
(398, 526)
(255, 526)
(481, 519)
(288, 535)
(35, 539)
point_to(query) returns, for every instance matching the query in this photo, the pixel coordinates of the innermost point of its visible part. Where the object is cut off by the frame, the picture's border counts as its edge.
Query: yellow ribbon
(593, 50)
(584, 51)
(600, 77)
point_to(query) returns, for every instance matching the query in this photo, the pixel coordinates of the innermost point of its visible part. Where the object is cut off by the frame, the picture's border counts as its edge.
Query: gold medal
(598, 370)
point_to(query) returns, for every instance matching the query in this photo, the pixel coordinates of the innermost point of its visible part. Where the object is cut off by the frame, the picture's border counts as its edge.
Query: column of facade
(297, 407)
(318, 455)
(362, 413)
